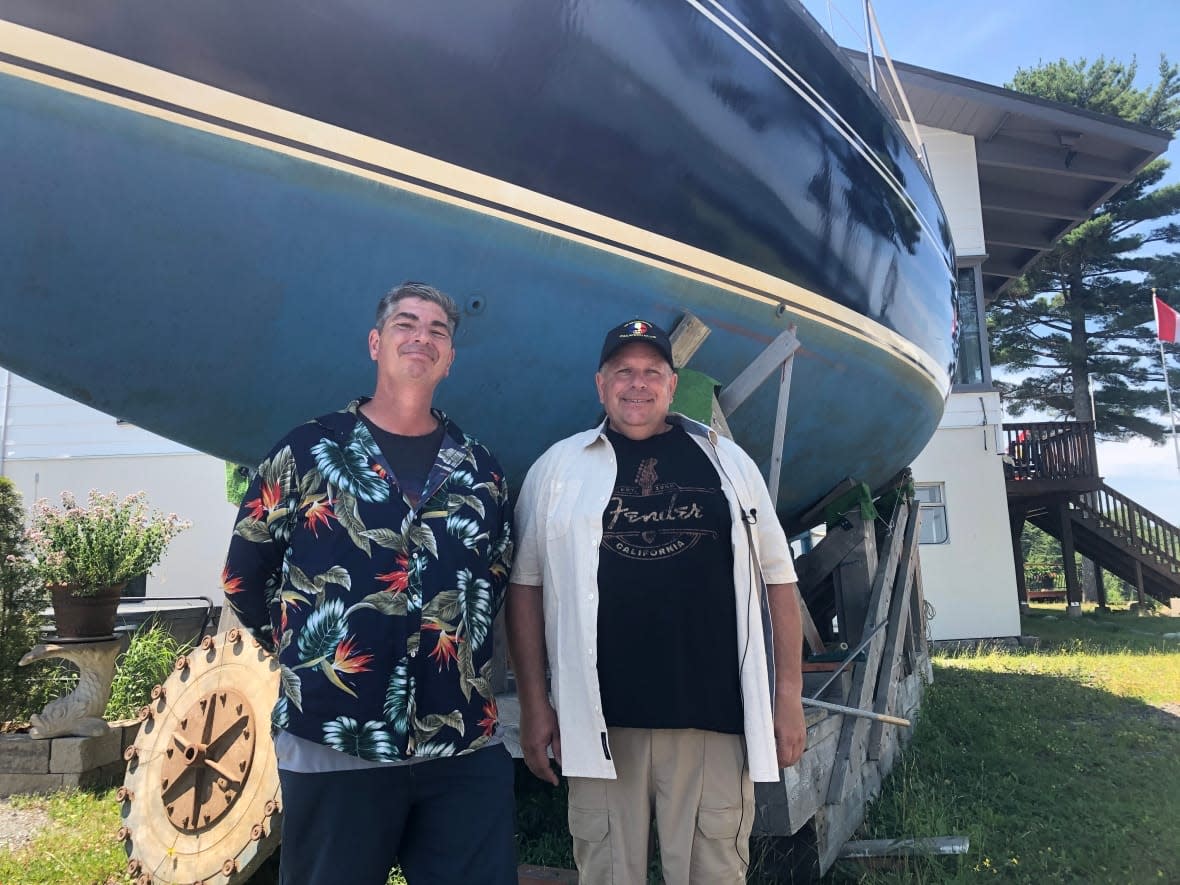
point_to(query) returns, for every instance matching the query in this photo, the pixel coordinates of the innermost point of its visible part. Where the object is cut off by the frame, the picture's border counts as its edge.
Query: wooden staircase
(1053, 482)
(1121, 536)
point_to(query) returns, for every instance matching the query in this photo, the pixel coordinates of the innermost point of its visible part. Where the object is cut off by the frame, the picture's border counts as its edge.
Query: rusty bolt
(134, 867)
(144, 879)
(182, 662)
(124, 795)
(229, 867)
(131, 752)
(270, 807)
(123, 834)
(234, 636)
(158, 692)
(256, 832)
(208, 642)
(145, 713)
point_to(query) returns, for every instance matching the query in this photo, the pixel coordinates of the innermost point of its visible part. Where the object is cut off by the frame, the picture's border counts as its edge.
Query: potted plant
(84, 555)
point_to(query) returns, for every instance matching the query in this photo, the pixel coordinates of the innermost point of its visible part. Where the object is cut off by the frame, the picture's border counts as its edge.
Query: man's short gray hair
(387, 306)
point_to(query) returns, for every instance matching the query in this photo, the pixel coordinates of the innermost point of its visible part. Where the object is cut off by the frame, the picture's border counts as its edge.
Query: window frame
(939, 505)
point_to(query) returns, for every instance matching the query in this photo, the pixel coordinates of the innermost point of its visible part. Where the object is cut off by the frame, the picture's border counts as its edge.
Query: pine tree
(1084, 309)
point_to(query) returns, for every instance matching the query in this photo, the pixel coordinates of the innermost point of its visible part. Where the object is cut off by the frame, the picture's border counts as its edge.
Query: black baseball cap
(636, 330)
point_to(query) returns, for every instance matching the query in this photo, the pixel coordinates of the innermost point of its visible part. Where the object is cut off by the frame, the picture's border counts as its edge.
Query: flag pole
(1167, 386)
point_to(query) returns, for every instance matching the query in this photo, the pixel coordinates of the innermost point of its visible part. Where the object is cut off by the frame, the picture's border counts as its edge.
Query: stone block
(78, 754)
(11, 784)
(21, 754)
(105, 776)
(129, 731)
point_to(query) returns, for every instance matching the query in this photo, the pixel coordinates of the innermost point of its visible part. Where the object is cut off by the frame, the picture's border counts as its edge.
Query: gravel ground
(19, 825)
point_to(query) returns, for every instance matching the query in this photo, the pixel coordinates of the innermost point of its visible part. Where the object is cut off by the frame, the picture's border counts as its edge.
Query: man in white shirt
(649, 563)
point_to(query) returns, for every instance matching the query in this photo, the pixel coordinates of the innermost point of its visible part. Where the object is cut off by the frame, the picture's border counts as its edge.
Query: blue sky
(989, 41)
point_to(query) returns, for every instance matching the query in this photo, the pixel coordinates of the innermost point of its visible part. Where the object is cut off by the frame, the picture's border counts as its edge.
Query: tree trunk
(1078, 357)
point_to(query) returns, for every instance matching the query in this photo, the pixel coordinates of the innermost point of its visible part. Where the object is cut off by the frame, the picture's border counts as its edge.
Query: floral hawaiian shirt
(380, 613)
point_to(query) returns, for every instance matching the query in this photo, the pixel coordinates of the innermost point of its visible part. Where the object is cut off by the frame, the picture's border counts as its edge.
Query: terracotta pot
(85, 617)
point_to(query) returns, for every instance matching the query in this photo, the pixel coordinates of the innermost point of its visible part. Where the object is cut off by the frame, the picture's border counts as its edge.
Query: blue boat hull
(197, 249)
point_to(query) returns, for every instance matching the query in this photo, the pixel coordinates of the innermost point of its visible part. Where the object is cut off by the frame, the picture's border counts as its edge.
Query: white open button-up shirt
(559, 529)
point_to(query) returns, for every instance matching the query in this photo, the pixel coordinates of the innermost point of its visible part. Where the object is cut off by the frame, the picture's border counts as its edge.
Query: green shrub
(149, 659)
(23, 690)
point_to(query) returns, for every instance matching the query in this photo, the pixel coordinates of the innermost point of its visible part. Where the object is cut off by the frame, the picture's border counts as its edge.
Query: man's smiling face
(635, 387)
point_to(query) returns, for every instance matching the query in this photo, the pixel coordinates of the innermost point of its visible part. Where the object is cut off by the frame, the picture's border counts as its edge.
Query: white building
(1014, 174)
(50, 444)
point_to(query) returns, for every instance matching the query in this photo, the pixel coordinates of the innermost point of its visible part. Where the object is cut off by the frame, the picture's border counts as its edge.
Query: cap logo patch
(637, 327)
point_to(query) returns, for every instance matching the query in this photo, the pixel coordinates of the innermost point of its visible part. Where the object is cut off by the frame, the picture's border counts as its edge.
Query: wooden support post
(852, 749)
(1140, 595)
(776, 353)
(690, 333)
(917, 633)
(899, 610)
(854, 576)
(780, 422)
(1016, 523)
(1100, 586)
(1073, 591)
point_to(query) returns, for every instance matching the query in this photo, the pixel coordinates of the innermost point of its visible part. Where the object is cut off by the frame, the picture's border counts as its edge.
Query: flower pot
(85, 617)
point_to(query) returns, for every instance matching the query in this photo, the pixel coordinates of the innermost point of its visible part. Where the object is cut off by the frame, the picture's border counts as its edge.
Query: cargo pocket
(716, 856)
(592, 852)
(719, 823)
(589, 824)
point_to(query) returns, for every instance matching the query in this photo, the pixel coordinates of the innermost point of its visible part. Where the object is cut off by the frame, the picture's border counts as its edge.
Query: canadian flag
(1167, 322)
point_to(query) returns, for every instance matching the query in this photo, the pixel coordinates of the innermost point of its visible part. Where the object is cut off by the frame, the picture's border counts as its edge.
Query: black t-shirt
(410, 457)
(667, 619)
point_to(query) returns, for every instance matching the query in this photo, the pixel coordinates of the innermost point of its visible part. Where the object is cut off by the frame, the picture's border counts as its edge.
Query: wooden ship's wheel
(201, 801)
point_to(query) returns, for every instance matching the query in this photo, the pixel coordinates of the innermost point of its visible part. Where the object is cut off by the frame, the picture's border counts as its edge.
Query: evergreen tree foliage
(1084, 309)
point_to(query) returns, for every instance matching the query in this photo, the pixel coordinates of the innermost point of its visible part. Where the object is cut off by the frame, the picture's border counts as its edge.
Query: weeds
(147, 662)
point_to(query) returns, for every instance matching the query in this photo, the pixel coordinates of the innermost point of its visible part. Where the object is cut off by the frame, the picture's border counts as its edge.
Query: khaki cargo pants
(699, 787)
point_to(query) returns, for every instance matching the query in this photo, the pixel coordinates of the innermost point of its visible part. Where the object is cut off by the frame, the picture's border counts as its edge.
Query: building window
(931, 513)
(969, 368)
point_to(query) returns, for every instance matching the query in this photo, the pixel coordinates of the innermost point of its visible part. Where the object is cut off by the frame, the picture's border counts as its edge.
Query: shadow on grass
(1053, 781)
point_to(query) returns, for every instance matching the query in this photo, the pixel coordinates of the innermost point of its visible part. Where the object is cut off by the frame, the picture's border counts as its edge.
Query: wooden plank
(720, 425)
(784, 807)
(690, 333)
(853, 578)
(813, 567)
(780, 426)
(810, 632)
(899, 611)
(854, 735)
(815, 514)
(738, 391)
(920, 626)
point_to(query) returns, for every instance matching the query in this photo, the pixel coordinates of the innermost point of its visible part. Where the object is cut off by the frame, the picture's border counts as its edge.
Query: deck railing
(1051, 450)
(1141, 529)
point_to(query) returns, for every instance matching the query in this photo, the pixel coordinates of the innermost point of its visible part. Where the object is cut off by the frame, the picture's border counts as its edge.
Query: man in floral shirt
(371, 555)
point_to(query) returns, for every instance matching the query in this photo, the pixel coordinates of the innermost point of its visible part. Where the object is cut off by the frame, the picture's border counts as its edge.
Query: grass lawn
(78, 847)
(1060, 764)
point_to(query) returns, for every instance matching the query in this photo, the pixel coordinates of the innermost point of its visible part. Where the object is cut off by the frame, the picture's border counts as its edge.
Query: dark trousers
(448, 821)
